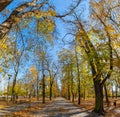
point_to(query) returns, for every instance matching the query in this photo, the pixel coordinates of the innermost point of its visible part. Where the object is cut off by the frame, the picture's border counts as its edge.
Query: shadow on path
(62, 108)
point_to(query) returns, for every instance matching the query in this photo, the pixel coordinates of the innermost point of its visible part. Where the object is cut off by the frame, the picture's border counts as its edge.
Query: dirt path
(61, 108)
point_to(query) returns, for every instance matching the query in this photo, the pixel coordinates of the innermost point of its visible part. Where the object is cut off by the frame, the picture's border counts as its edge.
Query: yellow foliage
(78, 49)
(116, 45)
(39, 14)
(110, 29)
(1, 69)
(118, 18)
(33, 70)
(80, 35)
(16, 19)
(51, 13)
(4, 46)
(46, 26)
(116, 36)
(3, 43)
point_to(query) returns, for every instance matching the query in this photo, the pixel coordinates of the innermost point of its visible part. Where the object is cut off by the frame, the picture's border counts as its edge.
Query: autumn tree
(17, 50)
(28, 9)
(67, 62)
(110, 32)
(53, 71)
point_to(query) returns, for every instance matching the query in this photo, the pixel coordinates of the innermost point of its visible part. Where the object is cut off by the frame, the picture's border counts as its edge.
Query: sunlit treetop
(12, 14)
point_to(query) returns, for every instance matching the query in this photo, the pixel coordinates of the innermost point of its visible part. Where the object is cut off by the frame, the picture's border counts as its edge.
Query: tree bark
(68, 91)
(43, 89)
(78, 75)
(37, 87)
(106, 94)
(79, 100)
(13, 87)
(84, 94)
(4, 3)
(73, 97)
(116, 92)
(112, 93)
(72, 91)
(50, 91)
(98, 97)
(72, 85)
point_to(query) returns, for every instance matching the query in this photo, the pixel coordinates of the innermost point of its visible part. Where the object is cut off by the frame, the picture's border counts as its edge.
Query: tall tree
(28, 8)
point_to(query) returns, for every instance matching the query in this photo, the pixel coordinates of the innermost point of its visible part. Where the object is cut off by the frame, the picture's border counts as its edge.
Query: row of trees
(31, 87)
(26, 46)
(17, 54)
(93, 60)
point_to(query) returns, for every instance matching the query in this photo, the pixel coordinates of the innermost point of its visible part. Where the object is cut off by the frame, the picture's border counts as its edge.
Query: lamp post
(9, 76)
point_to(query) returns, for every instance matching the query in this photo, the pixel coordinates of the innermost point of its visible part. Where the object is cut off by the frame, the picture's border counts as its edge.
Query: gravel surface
(60, 107)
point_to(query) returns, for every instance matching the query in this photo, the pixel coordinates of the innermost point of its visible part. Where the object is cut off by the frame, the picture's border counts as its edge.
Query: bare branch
(71, 10)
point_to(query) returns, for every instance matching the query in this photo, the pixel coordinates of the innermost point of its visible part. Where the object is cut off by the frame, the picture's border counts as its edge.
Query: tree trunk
(72, 92)
(13, 88)
(84, 94)
(112, 93)
(73, 97)
(34, 92)
(98, 97)
(4, 3)
(68, 91)
(72, 85)
(37, 87)
(106, 94)
(78, 75)
(50, 91)
(43, 89)
(79, 92)
(116, 92)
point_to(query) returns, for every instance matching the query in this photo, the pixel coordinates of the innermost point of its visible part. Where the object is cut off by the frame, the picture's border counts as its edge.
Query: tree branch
(70, 11)
(4, 3)
(7, 24)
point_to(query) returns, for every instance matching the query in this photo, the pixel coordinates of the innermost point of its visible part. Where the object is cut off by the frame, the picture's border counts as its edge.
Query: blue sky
(61, 7)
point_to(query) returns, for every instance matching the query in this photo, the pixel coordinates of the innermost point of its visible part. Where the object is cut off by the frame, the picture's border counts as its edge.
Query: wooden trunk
(98, 98)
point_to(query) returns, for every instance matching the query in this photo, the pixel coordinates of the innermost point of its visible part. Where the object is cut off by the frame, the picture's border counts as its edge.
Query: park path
(60, 107)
